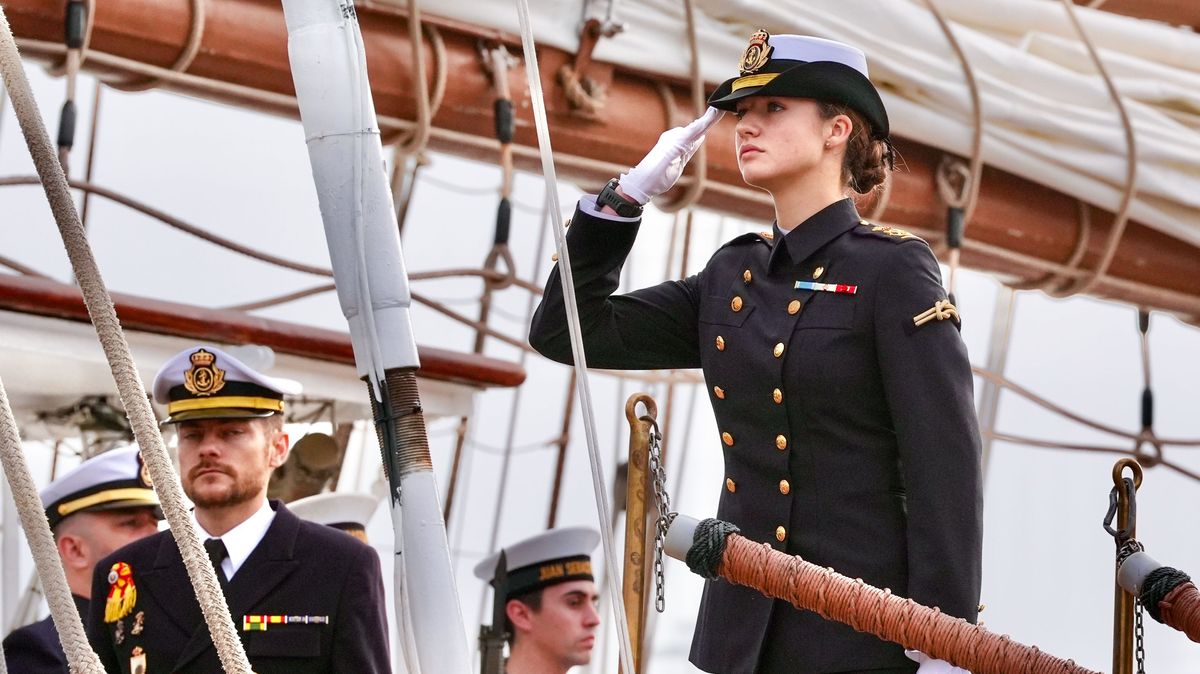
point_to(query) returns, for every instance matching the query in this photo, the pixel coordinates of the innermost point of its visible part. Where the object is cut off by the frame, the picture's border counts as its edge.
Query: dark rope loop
(1158, 585)
(708, 546)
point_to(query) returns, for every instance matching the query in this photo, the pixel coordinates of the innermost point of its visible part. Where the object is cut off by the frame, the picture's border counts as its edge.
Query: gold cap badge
(757, 53)
(205, 378)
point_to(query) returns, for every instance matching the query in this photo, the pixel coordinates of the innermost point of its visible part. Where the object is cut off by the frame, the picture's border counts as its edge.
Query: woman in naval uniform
(832, 358)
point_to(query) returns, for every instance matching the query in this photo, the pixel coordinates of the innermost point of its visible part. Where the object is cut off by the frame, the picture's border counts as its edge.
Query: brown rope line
(178, 224)
(418, 138)
(1144, 458)
(125, 373)
(694, 190)
(488, 275)
(20, 268)
(1112, 430)
(1122, 217)
(182, 62)
(1181, 609)
(1053, 282)
(878, 612)
(281, 299)
(81, 658)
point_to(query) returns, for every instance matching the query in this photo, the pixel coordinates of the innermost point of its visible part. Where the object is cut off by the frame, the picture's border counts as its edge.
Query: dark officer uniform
(299, 569)
(35, 648)
(849, 432)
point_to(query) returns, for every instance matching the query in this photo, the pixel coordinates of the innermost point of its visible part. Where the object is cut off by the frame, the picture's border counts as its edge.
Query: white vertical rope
(120, 360)
(41, 542)
(603, 511)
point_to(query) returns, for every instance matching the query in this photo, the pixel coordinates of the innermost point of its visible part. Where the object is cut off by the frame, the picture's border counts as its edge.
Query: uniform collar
(811, 235)
(241, 540)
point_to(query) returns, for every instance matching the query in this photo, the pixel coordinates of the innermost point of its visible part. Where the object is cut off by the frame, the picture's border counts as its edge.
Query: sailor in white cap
(101, 505)
(347, 511)
(307, 598)
(549, 598)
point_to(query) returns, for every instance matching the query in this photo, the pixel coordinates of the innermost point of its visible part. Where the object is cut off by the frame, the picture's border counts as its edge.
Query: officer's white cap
(336, 509)
(114, 479)
(205, 382)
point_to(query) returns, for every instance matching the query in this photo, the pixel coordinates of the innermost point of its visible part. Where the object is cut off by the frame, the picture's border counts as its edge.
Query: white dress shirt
(241, 540)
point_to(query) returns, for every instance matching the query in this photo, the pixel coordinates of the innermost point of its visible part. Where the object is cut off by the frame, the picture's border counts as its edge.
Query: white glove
(659, 169)
(932, 666)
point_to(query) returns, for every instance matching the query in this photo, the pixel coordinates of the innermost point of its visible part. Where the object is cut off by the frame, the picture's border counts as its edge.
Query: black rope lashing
(955, 226)
(74, 28)
(708, 546)
(1147, 392)
(1158, 584)
(503, 222)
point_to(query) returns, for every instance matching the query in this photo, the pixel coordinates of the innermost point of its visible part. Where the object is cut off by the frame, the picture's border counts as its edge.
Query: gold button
(730, 485)
(554, 257)
(778, 350)
(727, 439)
(863, 222)
(784, 487)
(719, 392)
(817, 273)
(780, 534)
(720, 343)
(794, 307)
(781, 442)
(736, 304)
(777, 396)
(747, 276)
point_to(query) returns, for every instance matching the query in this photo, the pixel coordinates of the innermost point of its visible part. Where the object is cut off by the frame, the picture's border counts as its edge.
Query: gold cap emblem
(757, 53)
(205, 378)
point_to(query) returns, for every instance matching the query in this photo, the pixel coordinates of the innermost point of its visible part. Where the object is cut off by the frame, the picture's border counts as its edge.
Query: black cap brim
(820, 80)
(217, 413)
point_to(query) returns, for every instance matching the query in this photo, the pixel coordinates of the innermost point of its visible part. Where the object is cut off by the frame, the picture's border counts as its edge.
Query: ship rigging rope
(41, 542)
(967, 197)
(599, 486)
(132, 391)
(418, 138)
(1131, 163)
(1174, 300)
(693, 191)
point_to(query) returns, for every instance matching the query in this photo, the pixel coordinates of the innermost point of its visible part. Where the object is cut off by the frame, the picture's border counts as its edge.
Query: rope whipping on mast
(329, 69)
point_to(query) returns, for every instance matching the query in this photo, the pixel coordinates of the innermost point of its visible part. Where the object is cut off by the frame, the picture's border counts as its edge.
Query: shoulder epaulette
(885, 232)
(751, 237)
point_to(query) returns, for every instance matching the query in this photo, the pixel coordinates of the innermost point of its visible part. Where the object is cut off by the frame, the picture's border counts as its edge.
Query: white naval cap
(348, 511)
(204, 382)
(115, 479)
(812, 49)
(552, 557)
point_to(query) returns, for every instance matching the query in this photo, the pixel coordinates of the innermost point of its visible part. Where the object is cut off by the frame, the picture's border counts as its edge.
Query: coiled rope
(116, 350)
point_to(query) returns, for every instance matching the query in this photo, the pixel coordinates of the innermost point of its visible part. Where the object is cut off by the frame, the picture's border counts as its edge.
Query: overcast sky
(1048, 563)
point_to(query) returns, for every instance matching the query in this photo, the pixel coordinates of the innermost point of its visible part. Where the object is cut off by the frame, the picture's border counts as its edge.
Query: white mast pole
(330, 72)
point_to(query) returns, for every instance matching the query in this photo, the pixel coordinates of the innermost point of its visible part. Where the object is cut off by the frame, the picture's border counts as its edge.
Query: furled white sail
(1047, 114)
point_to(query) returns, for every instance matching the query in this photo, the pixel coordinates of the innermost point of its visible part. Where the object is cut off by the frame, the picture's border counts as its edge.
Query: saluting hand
(659, 170)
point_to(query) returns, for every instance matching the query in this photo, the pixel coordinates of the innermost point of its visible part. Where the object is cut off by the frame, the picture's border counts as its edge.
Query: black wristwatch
(622, 205)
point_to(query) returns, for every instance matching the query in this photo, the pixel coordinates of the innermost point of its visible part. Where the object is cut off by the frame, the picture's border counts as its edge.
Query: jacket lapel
(168, 585)
(271, 562)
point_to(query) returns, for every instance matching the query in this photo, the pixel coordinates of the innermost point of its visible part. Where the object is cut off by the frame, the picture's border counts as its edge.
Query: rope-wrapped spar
(1168, 594)
(714, 549)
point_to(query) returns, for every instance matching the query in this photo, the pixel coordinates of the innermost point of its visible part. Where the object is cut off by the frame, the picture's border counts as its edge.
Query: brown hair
(865, 165)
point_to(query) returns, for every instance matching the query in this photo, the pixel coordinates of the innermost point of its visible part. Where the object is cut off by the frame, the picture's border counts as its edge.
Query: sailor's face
(225, 462)
(778, 140)
(565, 627)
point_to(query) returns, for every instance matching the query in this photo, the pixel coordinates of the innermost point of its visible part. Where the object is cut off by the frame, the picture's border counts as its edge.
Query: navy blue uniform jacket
(849, 434)
(35, 648)
(298, 569)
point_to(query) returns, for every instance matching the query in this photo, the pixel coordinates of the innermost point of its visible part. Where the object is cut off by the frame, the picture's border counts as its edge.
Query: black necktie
(217, 554)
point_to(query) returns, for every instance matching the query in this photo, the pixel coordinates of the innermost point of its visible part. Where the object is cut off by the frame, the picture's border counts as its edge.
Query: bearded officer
(103, 504)
(306, 598)
(549, 600)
